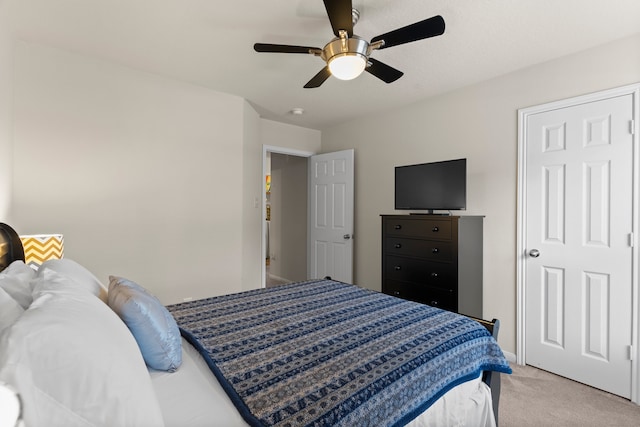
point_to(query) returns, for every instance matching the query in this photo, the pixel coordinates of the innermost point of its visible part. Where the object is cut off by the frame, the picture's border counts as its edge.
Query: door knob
(534, 253)
(346, 236)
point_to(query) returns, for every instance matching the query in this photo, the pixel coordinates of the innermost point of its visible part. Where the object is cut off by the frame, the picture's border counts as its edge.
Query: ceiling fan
(347, 55)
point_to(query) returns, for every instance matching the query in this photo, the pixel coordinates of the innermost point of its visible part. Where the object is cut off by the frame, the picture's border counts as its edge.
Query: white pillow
(15, 280)
(74, 363)
(10, 310)
(78, 274)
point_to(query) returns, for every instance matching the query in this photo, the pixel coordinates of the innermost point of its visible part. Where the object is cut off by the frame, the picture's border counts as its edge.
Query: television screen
(432, 186)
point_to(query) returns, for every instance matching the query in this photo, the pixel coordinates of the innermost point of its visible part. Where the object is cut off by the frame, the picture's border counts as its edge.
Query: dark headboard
(10, 246)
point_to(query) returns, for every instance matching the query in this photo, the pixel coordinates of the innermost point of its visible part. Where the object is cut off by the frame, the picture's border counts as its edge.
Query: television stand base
(430, 213)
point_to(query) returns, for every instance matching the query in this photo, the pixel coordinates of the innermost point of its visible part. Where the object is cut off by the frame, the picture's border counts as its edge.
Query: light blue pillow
(151, 324)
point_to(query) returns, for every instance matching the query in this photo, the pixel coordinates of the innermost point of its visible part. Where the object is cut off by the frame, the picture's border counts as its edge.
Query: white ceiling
(210, 43)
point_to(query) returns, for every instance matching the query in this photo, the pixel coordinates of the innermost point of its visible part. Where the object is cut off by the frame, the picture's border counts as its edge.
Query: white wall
(252, 194)
(6, 98)
(282, 135)
(480, 123)
(132, 168)
(146, 177)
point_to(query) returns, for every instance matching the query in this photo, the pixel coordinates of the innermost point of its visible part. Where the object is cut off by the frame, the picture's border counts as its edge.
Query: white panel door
(579, 210)
(331, 215)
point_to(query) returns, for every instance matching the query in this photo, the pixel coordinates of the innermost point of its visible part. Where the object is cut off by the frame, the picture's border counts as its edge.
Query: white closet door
(579, 210)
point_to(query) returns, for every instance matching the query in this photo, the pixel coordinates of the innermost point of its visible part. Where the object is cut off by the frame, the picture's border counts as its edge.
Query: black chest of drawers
(435, 260)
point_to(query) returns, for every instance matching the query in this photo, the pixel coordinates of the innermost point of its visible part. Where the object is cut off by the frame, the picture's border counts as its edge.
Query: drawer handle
(435, 250)
(397, 268)
(434, 275)
(398, 227)
(435, 229)
(398, 245)
(434, 303)
(396, 293)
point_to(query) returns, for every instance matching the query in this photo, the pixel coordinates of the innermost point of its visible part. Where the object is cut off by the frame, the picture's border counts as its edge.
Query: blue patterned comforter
(324, 353)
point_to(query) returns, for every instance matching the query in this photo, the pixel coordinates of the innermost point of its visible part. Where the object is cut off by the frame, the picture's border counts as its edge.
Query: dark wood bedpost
(10, 246)
(492, 379)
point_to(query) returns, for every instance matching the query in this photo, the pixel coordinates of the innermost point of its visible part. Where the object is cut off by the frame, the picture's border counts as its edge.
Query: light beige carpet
(532, 397)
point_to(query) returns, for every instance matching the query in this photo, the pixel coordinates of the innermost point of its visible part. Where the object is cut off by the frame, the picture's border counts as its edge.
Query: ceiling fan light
(347, 66)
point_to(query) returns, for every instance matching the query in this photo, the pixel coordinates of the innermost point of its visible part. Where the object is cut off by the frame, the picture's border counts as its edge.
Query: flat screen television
(432, 186)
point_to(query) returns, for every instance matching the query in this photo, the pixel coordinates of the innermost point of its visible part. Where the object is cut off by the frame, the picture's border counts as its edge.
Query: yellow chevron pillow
(42, 247)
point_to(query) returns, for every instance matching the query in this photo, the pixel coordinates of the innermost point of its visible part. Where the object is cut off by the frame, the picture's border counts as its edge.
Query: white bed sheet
(193, 397)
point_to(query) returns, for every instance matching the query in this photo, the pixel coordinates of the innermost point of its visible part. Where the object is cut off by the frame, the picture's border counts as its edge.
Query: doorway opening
(284, 208)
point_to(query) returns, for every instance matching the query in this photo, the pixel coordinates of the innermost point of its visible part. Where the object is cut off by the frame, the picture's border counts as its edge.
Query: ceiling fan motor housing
(346, 56)
(345, 46)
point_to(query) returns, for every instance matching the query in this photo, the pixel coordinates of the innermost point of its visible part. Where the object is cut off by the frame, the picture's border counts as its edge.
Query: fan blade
(283, 48)
(383, 71)
(431, 27)
(319, 78)
(339, 12)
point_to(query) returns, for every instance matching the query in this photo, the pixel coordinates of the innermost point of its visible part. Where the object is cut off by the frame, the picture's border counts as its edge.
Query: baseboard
(278, 278)
(511, 357)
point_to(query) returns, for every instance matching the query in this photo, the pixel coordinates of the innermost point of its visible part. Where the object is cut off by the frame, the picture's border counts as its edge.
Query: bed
(318, 352)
